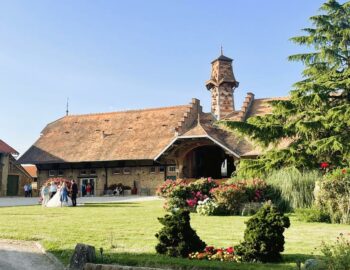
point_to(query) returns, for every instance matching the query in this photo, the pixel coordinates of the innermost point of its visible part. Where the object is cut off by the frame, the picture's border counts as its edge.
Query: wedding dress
(55, 201)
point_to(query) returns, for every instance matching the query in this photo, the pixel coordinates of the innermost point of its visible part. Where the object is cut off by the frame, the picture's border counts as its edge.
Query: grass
(126, 231)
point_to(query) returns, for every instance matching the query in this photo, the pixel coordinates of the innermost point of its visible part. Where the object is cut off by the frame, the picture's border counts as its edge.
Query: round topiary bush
(177, 238)
(263, 237)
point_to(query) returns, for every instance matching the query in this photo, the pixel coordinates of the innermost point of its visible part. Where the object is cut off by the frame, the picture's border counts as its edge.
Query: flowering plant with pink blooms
(185, 195)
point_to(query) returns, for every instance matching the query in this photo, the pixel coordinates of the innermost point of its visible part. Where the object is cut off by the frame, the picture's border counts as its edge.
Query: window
(161, 169)
(117, 171)
(83, 172)
(93, 172)
(172, 169)
(60, 173)
(126, 171)
(152, 169)
(52, 172)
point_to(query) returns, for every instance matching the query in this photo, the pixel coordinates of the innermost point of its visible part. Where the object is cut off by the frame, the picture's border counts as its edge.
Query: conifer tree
(316, 118)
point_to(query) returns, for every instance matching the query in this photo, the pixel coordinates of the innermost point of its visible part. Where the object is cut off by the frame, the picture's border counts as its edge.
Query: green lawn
(126, 233)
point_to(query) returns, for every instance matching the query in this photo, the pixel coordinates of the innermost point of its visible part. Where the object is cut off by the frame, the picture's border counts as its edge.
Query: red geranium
(324, 165)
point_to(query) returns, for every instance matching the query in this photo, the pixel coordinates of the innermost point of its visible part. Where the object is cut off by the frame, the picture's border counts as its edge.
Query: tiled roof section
(206, 127)
(129, 135)
(262, 106)
(31, 170)
(6, 149)
(223, 58)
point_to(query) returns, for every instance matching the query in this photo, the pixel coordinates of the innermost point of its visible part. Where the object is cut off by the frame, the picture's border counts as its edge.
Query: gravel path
(23, 255)
(20, 201)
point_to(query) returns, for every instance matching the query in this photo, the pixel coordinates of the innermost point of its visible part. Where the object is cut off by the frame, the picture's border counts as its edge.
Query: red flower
(324, 165)
(230, 250)
(209, 249)
(343, 171)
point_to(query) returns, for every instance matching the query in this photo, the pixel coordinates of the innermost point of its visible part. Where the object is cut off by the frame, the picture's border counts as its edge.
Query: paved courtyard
(21, 201)
(25, 255)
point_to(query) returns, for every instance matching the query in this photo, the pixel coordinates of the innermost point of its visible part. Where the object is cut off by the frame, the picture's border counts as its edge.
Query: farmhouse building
(144, 147)
(12, 175)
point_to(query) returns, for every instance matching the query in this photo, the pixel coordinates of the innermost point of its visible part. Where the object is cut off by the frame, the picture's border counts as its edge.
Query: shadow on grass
(112, 204)
(160, 261)
(293, 258)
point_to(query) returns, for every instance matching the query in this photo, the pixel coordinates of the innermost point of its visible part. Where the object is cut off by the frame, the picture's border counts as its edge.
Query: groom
(74, 190)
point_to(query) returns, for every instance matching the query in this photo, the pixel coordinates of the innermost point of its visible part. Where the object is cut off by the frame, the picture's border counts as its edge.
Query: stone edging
(91, 266)
(50, 256)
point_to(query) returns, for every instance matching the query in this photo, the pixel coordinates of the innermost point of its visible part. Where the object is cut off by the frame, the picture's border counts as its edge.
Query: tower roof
(223, 58)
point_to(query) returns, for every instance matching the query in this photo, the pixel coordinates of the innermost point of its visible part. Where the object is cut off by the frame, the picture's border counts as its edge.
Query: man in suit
(74, 192)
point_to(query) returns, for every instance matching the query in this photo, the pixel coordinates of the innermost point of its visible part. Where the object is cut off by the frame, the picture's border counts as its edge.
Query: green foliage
(263, 237)
(312, 215)
(333, 195)
(231, 197)
(177, 238)
(291, 189)
(316, 118)
(337, 255)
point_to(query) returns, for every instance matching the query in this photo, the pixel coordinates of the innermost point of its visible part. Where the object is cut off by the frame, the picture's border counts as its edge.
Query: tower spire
(221, 50)
(222, 84)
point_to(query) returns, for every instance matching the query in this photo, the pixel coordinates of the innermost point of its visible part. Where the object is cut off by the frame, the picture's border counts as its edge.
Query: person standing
(64, 194)
(30, 190)
(53, 189)
(74, 191)
(25, 187)
(45, 194)
(88, 189)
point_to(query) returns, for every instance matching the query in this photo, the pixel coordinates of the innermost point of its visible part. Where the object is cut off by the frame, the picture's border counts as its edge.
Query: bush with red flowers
(182, 195)
(232, 197)
(333, 195)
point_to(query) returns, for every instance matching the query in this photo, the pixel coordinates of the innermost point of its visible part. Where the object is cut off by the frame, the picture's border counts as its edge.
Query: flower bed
(207, 197)
(215, 254)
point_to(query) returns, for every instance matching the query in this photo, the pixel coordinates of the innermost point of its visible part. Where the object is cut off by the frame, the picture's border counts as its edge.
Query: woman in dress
(45, 194)
(64, 194)
(60, 199)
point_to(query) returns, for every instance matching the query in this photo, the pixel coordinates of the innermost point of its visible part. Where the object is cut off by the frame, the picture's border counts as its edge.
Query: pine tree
(316, 118)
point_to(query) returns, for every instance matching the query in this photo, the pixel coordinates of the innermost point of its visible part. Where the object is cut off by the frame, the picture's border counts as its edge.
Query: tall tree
(316, 118)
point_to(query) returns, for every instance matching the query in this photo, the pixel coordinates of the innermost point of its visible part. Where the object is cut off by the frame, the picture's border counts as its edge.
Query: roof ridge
(126, 111)
(283, 97)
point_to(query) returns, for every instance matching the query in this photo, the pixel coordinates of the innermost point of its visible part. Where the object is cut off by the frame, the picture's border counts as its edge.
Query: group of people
(58, 195)
(28, 190)
(87, 190)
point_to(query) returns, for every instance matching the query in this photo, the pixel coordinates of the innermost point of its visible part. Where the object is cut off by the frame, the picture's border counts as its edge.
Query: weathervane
(67, 107)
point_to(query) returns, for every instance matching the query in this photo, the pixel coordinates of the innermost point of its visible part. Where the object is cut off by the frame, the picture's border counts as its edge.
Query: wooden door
(12, 185)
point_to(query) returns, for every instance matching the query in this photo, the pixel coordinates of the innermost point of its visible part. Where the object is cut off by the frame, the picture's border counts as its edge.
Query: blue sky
(114, 55)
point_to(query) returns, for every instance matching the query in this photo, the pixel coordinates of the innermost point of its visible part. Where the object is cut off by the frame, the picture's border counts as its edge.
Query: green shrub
(291, 189)
(337, 255)
(333, 195)
(263, 237)
(177, 238)
(312, 215)
(230, 197)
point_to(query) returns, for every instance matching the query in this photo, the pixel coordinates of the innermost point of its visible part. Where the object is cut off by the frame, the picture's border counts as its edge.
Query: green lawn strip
(126, 233)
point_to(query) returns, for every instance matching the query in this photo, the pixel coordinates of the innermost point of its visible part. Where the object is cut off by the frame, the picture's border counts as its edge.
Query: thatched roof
(128, 135)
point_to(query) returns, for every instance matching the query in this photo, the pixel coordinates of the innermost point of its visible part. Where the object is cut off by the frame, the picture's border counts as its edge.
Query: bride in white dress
(55, 201)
